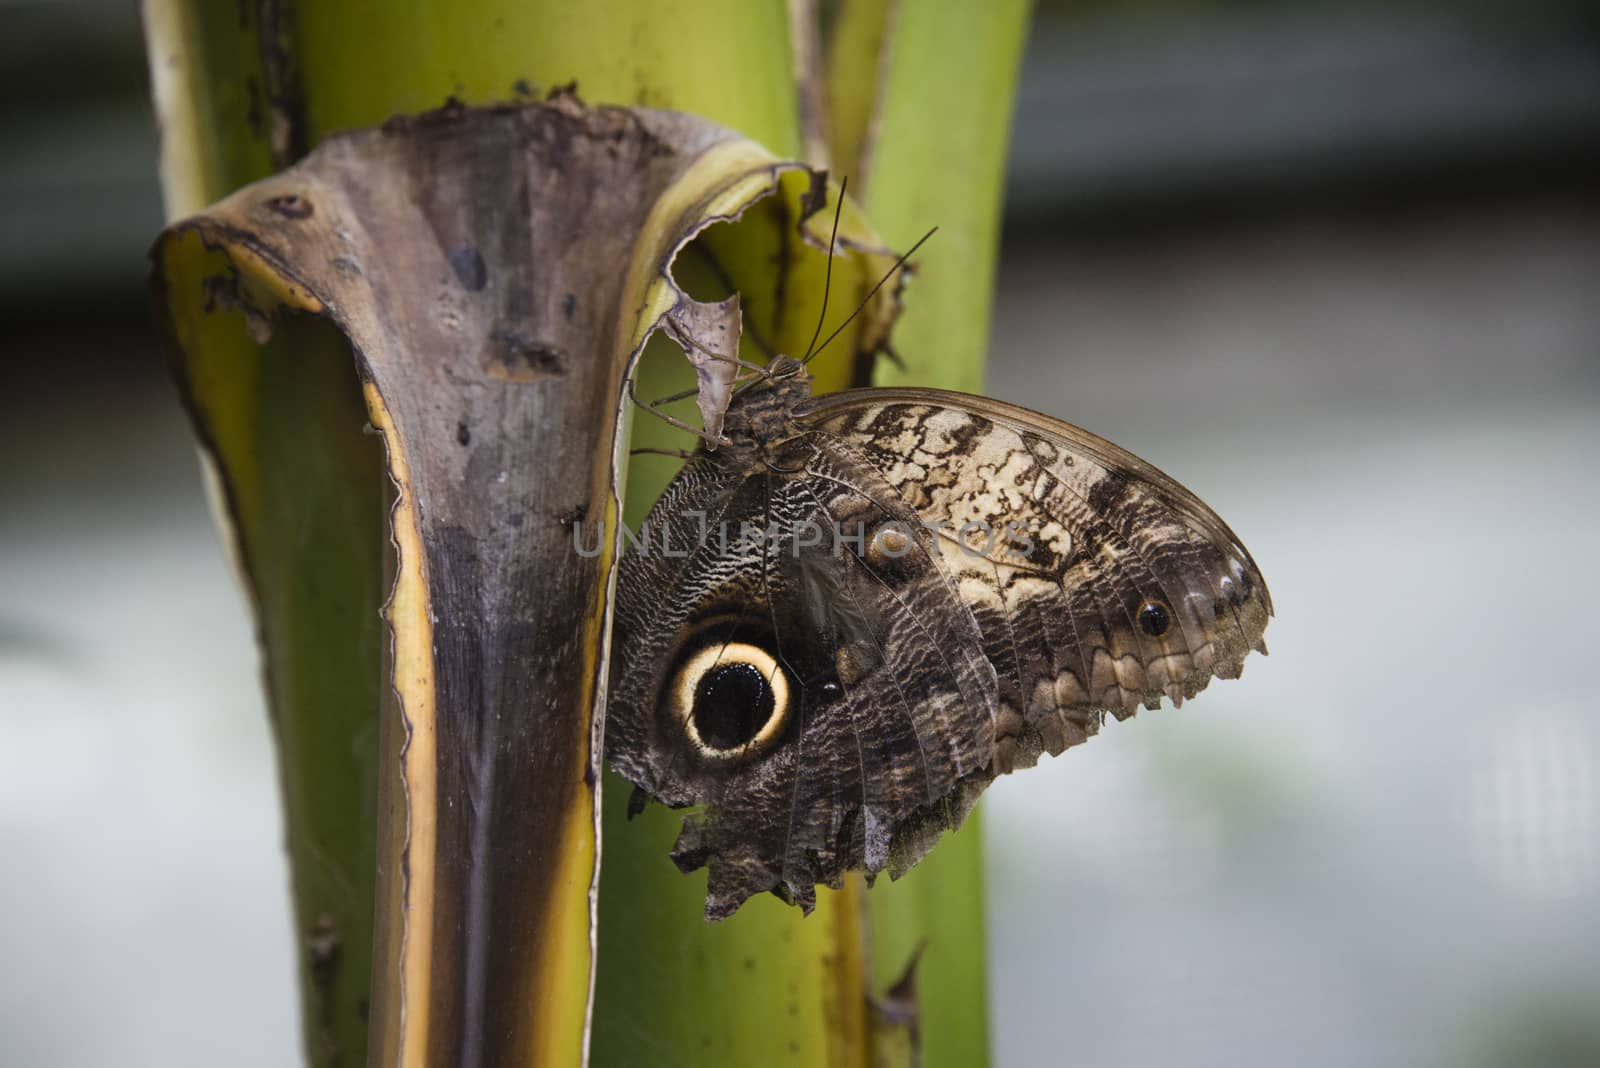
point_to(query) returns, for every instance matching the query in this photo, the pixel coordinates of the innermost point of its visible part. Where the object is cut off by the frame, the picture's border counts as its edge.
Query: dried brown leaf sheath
(493, 271)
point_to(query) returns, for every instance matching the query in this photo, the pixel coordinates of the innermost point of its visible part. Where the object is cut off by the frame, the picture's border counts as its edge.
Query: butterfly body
(846, 620)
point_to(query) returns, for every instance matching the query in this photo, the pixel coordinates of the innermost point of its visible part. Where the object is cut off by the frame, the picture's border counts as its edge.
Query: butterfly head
(783, 368)
(763, 414)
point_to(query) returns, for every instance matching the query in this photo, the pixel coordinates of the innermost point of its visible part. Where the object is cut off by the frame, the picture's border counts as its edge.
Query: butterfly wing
(1098, 582)
(826, 701)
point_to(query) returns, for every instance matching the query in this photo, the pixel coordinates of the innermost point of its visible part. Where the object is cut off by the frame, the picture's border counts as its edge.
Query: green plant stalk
(958, 62)
(300, 494)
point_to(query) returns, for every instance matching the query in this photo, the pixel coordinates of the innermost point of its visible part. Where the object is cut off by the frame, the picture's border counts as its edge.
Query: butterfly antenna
(827, 278)
(890, 273)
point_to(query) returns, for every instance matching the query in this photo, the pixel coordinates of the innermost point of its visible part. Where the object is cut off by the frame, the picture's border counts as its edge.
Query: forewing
(1099, 582)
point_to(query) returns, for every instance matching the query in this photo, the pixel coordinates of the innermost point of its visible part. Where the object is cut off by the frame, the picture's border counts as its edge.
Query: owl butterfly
(837, 627)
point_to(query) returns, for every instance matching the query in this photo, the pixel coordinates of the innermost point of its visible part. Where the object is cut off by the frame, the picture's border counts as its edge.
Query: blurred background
(1334, 265)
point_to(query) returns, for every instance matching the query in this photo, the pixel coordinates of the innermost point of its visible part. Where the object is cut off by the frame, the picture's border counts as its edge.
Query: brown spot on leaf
(322, 962)
(286, 133)
(515, 357)
(222, 293)
(291, 206)
(253, 117)
(322, 945)
(470, 270)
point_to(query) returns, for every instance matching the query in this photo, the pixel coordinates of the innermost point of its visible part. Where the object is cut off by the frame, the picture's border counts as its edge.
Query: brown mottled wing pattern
(894, 703)
(1099, 583)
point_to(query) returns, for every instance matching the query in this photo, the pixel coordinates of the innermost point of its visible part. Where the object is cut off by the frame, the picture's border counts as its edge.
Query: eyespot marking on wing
(733, 700)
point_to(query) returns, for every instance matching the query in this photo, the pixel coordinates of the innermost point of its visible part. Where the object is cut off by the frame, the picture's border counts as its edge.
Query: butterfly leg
(633, 394)
(682, 454)
(687, 393)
